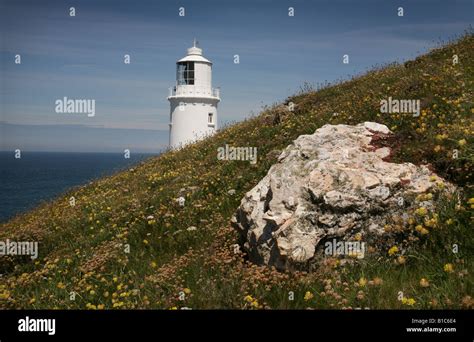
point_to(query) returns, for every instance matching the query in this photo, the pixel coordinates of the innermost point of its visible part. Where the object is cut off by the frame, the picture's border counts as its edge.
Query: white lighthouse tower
(193, 101)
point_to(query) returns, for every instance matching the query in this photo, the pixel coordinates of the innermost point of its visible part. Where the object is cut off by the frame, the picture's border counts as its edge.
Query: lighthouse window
(210, 118)
(185, 73)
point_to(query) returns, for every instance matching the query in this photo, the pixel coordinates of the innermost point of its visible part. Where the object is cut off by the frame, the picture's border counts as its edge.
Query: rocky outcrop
(331, 184)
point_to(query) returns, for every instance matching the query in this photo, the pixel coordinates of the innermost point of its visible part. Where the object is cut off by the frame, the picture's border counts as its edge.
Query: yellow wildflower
(248, 298)
(422, 211)
(448, 268)
(408, 301)
(424, 282)
(393, 250)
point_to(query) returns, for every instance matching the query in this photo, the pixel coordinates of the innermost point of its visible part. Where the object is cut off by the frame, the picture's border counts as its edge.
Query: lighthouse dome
(194, 51)
(194, 55)
(194, 58)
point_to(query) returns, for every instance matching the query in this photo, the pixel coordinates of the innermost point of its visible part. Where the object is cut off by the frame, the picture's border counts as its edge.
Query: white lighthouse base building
(193, 101)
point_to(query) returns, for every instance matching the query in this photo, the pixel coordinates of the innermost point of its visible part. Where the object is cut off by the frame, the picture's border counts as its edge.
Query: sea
(41, 176)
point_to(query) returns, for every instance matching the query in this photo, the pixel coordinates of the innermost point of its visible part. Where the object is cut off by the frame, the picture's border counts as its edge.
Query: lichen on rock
(331, 184)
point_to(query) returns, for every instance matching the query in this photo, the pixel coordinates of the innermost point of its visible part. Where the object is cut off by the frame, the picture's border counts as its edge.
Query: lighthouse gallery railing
(194, 91)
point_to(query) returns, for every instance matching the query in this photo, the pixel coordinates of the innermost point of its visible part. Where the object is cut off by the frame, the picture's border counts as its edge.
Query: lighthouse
(193, 101)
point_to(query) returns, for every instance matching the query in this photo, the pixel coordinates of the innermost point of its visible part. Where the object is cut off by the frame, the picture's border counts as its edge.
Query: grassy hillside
(125, 244)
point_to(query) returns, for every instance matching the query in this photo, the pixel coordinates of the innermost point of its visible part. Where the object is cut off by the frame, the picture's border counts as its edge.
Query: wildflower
(462, 142)
(432, 222)
(5, 294)
(186, 290)
(377, 281)
(101, 306)
(449, 222)
(424, 282)
(308, 296)
(255, 304)
(153, 264)
(422, 230)
(91, 306)
(401, 259)
(448, 268)
(32, 300)
(362, 282)
(92, 292)
(145, 242)
(467, 302)
(393, 250)
(437, 148)
(408, 301)
(248, 298)
(60, 285)
(422, 211)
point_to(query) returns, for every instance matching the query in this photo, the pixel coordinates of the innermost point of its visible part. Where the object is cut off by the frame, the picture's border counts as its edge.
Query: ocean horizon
(39, 177)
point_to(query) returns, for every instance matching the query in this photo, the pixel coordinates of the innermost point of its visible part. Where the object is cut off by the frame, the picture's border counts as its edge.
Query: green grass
(84, 248)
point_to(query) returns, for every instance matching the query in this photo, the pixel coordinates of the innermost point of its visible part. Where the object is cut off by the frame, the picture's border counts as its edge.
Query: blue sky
(82, 57)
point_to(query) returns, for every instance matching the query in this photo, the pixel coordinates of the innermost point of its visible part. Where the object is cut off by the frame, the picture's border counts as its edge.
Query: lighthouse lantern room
(193, 101)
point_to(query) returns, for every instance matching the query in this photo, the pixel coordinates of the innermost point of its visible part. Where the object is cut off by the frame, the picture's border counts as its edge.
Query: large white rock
(331, 184)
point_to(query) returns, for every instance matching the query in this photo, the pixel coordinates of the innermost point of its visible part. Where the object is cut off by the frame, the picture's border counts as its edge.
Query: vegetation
(126, 242)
